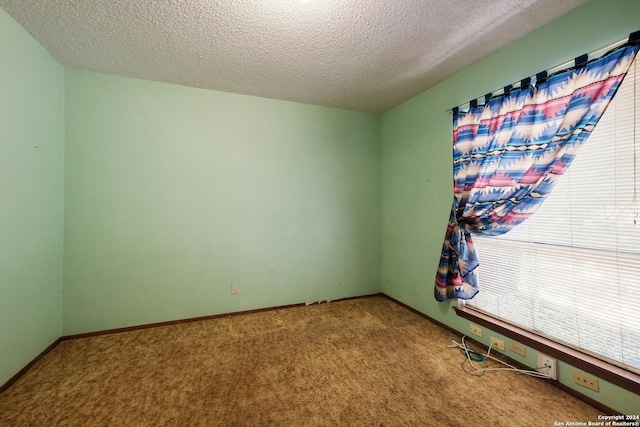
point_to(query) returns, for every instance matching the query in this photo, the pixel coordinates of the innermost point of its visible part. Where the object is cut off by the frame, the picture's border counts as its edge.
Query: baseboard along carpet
(359, 362)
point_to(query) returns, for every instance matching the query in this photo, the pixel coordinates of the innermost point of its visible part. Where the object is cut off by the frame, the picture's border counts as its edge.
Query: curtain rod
(555, 68)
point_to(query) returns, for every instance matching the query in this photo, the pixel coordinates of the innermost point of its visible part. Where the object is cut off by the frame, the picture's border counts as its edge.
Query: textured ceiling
(365, 55)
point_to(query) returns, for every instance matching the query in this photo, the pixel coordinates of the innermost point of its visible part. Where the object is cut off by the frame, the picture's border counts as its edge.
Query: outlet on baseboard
(496, 343)
(517, 348)
(475, 330)
(586, 381)
(548, 365)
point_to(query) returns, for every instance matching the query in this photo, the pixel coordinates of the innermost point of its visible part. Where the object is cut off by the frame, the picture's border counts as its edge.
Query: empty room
(319, 212)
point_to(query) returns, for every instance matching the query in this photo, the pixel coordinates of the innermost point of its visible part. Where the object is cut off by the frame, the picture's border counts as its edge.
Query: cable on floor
(472, 356)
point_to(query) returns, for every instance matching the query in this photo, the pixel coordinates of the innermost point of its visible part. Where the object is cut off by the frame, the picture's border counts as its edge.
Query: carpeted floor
(365, 361)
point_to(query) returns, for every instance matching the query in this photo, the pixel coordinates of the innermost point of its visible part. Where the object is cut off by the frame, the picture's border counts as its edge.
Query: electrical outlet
(234, 288)
(548, 366)
(496, 343)
(476, 330)
(585, 380)
(518, 348)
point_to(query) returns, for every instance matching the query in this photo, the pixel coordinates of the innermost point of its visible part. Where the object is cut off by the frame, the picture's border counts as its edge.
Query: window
(571, 272)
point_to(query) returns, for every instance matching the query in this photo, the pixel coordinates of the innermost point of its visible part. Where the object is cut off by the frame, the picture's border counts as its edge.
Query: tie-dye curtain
(509, 152)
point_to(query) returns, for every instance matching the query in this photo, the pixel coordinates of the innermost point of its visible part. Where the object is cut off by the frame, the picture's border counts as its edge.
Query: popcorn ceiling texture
(361, 55)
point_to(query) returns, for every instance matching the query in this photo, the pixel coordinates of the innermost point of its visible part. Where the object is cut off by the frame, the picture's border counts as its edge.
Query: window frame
(579, 360)
(617, 375)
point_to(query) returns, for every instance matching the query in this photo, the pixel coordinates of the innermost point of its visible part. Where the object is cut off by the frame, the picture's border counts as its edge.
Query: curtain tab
(581, 60)
(487, 98)
(541, 77)
(455, 110)
(634, 38)
(525, 82)
(473, 103)
(507, 89)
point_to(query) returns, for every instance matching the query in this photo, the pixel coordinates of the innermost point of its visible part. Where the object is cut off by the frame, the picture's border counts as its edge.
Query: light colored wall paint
(31, 197)
(417, 182)
(142, 234)
(174, 193)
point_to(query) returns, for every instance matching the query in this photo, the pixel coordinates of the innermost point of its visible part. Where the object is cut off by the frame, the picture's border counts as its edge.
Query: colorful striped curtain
(509, 152)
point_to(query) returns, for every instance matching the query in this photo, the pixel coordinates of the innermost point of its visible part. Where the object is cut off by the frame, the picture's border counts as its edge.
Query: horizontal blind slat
(572, 271)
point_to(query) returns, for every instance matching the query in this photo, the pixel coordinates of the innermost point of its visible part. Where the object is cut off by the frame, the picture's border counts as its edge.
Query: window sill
(608, 372)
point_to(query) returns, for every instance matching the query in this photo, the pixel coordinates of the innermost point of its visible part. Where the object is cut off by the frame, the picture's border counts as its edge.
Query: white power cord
(483, 357)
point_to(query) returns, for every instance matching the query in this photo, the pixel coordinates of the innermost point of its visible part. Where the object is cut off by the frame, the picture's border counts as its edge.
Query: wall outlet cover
(518, 348)
(548, 365)
(496, 343)
(586, 380)
(475, 330)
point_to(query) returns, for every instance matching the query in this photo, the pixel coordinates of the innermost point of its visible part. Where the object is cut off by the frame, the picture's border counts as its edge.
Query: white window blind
(571, 272)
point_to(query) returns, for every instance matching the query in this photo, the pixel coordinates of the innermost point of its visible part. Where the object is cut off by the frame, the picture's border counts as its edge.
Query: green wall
(171, 194)
(174, 193)
(31, 197)
(417, 181)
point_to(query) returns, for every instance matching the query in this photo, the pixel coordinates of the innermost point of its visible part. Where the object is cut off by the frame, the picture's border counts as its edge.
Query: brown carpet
(366, 361)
